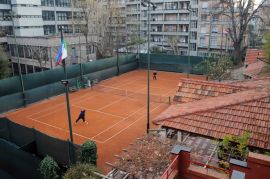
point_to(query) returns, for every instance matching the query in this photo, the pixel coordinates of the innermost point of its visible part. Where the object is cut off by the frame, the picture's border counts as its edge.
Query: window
(202, 41)
(171, 6)
(62, 3)
(20, 51)
(73, 52)
(78, 28)
(5, 15)
(49, 29)
(78, 15)
(90, 49)
(170, 28)
(215, 18)
(204, 5)
(63, 16)
(66, 28)
(193, 24)
(47, 3)
(194, 12)
(194, 2)
(213, 41)
(4, 1)
(214, 29)
(204, 17)
(193, 35)
(27, 51)
(159, 28)
(48, 15)
(203, 28)
(192, 46)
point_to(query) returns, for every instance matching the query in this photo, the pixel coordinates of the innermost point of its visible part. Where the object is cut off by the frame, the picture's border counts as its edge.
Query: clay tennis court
(116, 111)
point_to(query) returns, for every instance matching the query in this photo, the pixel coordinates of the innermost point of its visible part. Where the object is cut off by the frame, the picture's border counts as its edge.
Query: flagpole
(66, 84)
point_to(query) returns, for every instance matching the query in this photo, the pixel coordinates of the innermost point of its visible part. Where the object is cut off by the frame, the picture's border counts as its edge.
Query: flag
(226, 31)
(62, 53)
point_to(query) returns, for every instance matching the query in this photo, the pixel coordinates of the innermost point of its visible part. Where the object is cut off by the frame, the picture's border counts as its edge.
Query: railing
(173, 166)
(210, 166)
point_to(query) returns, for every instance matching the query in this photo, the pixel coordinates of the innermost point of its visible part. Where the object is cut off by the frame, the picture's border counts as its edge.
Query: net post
(169, 99)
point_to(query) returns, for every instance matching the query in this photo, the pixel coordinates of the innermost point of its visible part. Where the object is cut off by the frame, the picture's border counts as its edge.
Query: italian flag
(62, 53)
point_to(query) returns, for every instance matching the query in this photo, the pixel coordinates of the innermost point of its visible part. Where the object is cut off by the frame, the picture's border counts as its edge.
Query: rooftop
(253, 65)
(252, 54)
(247, 110)
(193, 90)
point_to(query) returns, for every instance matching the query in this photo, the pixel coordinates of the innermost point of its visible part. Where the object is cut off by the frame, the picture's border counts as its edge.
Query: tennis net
(131, 94)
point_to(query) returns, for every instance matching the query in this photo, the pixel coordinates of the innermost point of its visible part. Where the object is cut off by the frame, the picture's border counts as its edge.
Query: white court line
(109, 114)
(80, 98)
(119, 122)
(111, 103)
(170, 91)
(57, 109)
(65, 130)
(129, 125)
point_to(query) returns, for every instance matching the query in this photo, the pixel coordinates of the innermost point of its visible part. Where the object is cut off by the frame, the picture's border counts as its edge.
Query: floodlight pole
(17, 55)
(148, 68)
(148, 60)
(81, 70)
(189, 36)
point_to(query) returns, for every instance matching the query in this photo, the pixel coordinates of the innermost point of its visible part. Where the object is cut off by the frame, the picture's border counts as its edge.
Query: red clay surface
(114, 121)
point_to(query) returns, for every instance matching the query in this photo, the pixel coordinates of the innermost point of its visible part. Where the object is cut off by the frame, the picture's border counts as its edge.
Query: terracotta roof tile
(252, 54)
(192, 90)
(254, 69)
(254, 65)
(216, 117)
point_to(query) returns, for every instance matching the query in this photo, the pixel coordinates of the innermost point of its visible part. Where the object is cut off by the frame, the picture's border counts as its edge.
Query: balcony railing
(172, 169)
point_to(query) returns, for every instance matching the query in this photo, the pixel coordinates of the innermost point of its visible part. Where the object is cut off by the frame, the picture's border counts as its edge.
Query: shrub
(81, 171)
(49, 168)
(89, 152)
(234, 146)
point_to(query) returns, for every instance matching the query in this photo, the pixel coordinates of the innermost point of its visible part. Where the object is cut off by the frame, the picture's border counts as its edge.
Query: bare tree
(96, 23)
(40, 54)
(173, 42)
(4, 64)
(239, 13)
(264, 16)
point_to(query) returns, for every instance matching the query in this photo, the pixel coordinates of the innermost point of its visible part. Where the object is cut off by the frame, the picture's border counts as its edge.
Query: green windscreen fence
(18, 143)
(46, 84)
(173, 63)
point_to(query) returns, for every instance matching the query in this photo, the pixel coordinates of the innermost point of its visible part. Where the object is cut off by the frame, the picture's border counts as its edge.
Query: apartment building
(185, 27)
(213, 27)
(194, 26)
(33, 26)
(264, 21)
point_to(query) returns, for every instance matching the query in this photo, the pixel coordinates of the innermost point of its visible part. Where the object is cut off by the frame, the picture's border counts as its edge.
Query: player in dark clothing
(154, 75)
(81, 116)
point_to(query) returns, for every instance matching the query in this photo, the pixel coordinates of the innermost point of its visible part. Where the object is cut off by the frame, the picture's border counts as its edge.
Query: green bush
(4, 65)
(81, 171)
(234, 147)
(49, 168)
(89, 152)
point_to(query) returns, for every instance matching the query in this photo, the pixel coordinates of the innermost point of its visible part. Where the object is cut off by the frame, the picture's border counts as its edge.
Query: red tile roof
(254, 65)
(254, 83)
(254, 69)
(192, 90)
(230, 114)
(252, 54)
